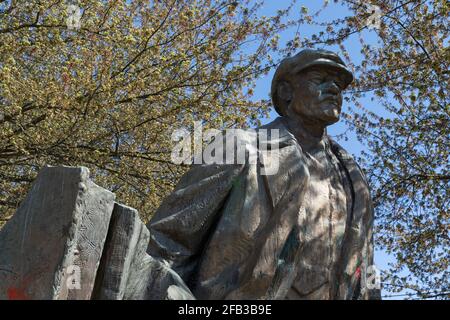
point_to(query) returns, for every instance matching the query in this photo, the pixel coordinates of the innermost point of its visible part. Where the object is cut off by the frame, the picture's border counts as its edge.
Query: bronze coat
(232, 233)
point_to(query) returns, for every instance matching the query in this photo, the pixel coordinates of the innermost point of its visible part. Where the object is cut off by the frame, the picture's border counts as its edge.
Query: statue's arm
(184, 221)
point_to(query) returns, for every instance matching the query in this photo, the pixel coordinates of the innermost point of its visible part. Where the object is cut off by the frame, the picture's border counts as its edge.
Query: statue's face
(317, 95)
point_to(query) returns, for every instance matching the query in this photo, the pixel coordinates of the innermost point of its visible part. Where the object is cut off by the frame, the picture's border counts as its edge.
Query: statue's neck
(311, 136)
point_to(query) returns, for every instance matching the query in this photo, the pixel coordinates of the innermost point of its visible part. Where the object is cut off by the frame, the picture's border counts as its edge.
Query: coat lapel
(358, 227)
(288, 154)
(286, 190)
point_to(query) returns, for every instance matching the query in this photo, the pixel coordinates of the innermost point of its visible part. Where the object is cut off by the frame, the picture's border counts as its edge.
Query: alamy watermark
(372, 280)
(73, 20)
(374, 20)
(230, 146)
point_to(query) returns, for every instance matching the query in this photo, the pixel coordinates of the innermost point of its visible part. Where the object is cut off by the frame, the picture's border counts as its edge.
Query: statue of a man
(302, 233)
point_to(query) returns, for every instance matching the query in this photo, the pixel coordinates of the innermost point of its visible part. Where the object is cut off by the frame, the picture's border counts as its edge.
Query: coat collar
(286, 139)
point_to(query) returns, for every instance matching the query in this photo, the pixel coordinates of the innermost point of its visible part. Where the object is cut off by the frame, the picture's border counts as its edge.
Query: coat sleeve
(370, 275)
(186, 218)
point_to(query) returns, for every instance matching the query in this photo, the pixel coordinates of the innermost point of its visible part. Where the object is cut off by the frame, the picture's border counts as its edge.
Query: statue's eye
(316, 79)
(339, 83)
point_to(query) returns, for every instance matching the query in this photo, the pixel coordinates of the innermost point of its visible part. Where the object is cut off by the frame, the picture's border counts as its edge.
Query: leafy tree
(108, 93)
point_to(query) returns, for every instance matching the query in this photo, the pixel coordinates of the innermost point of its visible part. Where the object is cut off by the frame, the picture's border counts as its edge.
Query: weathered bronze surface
(302, 233)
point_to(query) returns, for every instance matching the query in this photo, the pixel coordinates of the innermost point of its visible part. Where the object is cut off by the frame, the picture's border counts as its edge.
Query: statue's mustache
(327, 95)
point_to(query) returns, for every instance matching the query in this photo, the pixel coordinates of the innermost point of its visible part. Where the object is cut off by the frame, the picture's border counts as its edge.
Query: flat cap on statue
(303, 60)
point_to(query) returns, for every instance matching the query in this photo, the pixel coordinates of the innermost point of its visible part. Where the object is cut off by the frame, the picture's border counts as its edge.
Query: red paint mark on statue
(16, 294)
(358, 272)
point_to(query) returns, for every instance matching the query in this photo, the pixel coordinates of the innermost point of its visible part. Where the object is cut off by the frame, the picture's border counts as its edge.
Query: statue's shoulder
(276, 132)
(339, 150)
(278, 123)
(346, 158)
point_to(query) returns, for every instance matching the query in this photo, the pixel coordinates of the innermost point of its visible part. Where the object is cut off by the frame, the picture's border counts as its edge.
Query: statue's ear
(284, 91)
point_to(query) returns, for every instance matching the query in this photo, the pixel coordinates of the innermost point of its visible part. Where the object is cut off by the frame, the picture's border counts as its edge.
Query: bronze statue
(302, 233)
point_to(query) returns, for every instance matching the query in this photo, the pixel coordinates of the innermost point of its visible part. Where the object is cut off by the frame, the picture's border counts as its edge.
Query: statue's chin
(324, 114)
(331, 115)
(330, 121)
